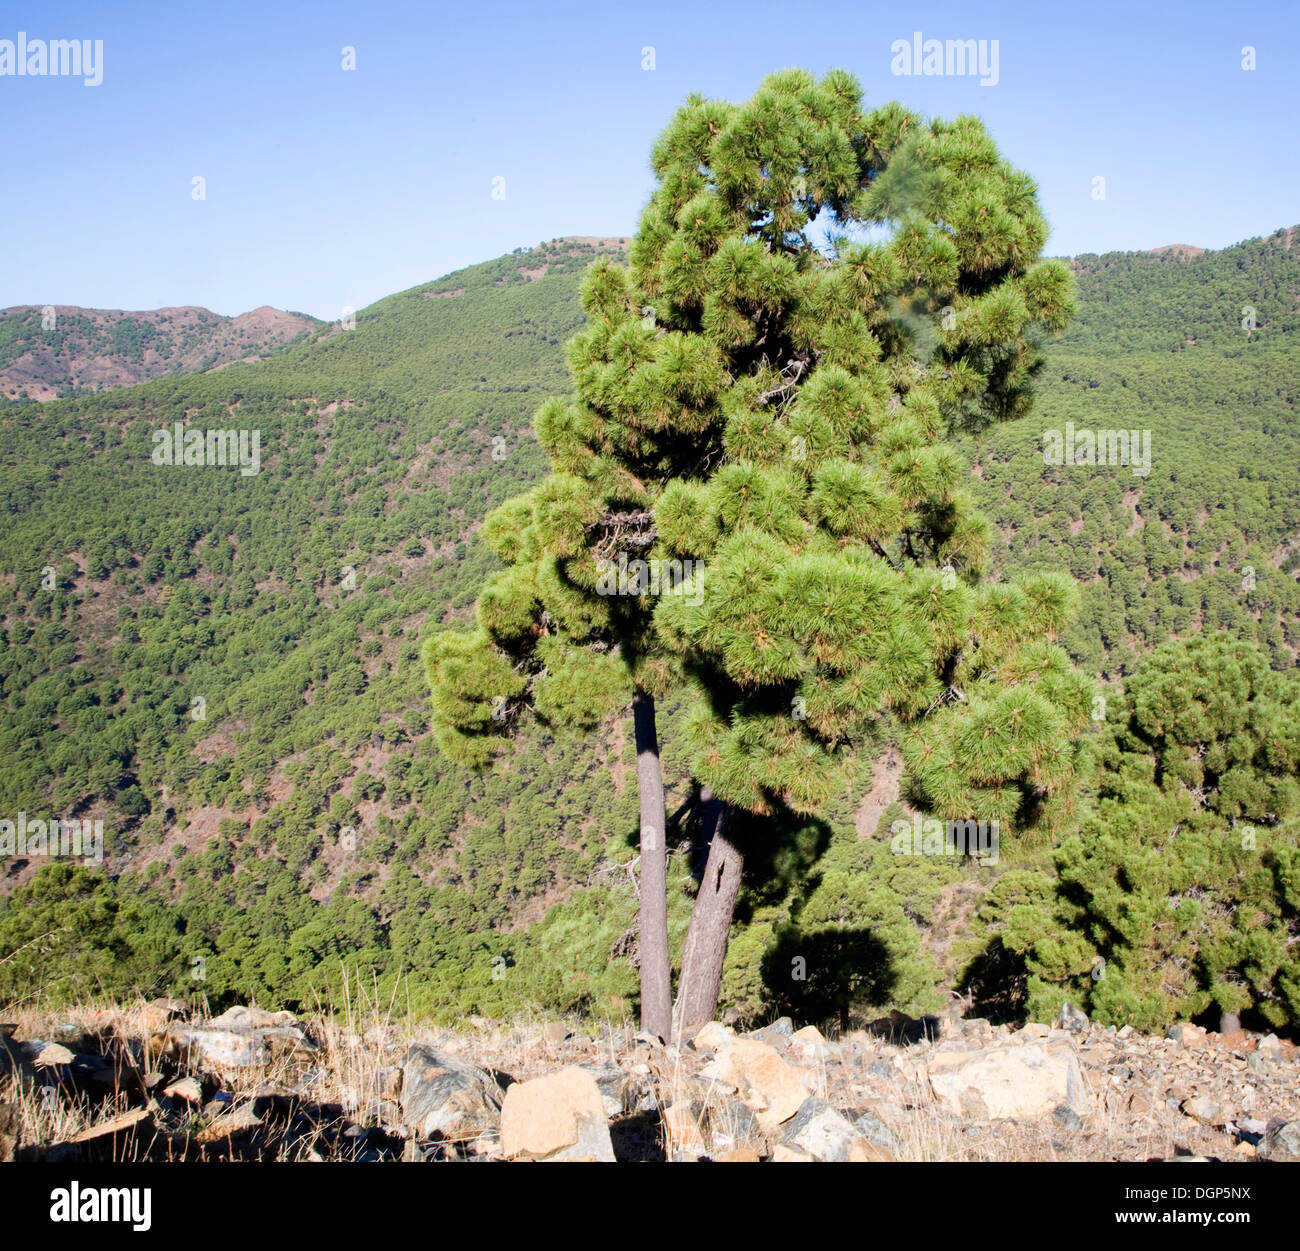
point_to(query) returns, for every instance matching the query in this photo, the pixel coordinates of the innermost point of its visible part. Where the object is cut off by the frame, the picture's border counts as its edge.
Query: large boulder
(446, 1097)
(240, 1038)
(1006, 1083)
(557, 1117)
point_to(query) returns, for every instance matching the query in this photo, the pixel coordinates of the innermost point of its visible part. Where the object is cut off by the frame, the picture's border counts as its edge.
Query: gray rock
(1072, 1019)
(1281, 1142)
(620, 1092)
(818, 1130)
(1067, 1116)
(775, 1035)
(1203, 1109)
(872, 1128)
(222, 1048)
(732, 1125)
(448, 1097)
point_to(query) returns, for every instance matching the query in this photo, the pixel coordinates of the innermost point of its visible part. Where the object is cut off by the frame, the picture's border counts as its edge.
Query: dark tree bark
(656, 968)
(706, 938)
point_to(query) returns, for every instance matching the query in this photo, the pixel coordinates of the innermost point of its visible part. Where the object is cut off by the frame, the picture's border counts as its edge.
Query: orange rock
(683, 1129)
(560, 1116)
(766, 1084)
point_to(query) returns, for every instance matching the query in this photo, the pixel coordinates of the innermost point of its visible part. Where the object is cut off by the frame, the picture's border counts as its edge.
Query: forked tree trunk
(706, 938)
(652, 946)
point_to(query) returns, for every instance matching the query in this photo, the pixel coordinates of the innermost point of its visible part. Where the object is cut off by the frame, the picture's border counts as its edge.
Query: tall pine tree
(816, 298)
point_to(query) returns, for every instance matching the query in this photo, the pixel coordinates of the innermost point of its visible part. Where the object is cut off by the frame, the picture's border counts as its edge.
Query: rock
(242, 1019)
(714, 1037)
(557, 1117)
(187, 1089)
(1281, 1142)
(222, 1048)
(684, 1136)
(820, 1131)
(554, 1033)
(447, 1097)
(1203, 1109)
(73, 1036)
(809, 1043)
(873, 1129)
(128, 1124)
(775, 1035)
(781, 1154)
(1271, 1046)
(733, 1123)
(1185, 1034)
(1126, 1032)
(10, 1129)
(1139, 1103)
(160, 1013)
(1003, 1084)
(620, 1092)
(738, 1155)
(1032, 1030)
(764, 1081)
(11, 1057)
(1072, 1019)
(240, 1120)
(53, 1054)
(1067, 1116)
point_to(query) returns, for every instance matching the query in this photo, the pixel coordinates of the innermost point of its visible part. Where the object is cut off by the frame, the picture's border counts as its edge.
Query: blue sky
(328, 188)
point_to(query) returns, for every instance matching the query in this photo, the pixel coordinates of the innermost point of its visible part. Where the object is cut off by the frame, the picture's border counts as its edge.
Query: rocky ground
(154, 1082)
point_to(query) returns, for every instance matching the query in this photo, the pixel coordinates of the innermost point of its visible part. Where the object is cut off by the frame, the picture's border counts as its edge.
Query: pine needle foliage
(818, 298)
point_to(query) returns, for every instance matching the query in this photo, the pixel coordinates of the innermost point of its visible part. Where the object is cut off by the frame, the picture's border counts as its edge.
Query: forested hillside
(1158, 344)
(224, 666)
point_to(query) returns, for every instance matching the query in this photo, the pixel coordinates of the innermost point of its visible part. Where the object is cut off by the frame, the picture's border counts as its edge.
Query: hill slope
(223, 666)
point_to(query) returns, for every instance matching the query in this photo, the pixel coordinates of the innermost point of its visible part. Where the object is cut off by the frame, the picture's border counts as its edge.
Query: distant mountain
(1184, 250)
(61, 350)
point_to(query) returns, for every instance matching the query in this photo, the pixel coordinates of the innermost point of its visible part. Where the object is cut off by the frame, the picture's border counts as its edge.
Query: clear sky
(328, 187)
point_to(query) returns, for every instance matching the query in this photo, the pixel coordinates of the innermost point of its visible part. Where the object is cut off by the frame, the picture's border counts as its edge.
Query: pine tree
(1181, 895)
(753, 494)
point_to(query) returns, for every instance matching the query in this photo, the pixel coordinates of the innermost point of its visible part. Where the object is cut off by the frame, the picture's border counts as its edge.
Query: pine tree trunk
(706, 939)
(652, 946)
